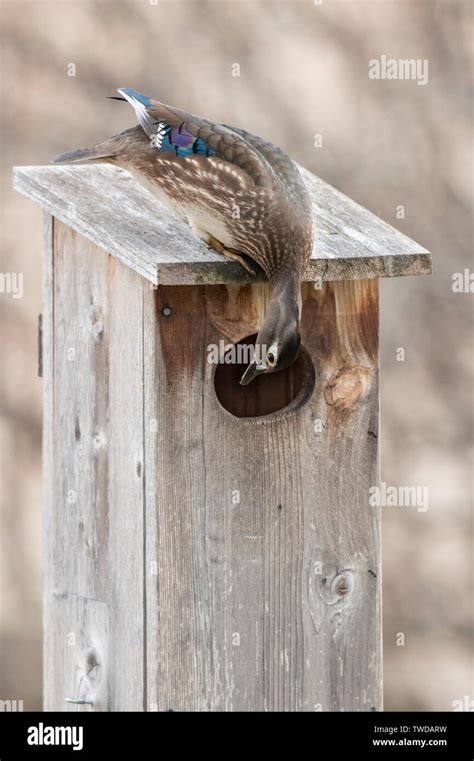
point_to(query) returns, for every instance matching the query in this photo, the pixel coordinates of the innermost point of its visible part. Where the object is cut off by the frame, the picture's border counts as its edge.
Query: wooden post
(207, 547)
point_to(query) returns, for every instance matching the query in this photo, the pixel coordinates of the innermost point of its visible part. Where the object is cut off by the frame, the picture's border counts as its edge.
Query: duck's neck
(286, 288)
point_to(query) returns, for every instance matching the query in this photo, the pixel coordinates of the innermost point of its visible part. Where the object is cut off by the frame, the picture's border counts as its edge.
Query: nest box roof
(107, 206)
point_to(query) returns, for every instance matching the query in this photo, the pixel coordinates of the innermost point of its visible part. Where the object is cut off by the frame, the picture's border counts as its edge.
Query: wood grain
(125, 495)
(93, 455)
(263, 588)
(51, 687)
(205, 562)
(107, 206)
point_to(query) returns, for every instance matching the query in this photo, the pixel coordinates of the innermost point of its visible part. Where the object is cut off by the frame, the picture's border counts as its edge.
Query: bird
(240, 193)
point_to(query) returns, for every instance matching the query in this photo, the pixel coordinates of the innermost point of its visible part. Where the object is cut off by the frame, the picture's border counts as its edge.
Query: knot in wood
(97, 320)
(346, 387)
(342, 584)
(92, 667)
(337, 588)
(98, 440)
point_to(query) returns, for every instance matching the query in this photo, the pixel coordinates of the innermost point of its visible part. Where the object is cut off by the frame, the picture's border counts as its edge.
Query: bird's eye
(271, 359)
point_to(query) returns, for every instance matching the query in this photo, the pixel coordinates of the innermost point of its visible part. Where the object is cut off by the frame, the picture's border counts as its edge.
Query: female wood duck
(242, 195)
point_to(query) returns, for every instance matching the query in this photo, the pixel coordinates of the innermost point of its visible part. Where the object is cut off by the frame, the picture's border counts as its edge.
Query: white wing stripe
(146, 121)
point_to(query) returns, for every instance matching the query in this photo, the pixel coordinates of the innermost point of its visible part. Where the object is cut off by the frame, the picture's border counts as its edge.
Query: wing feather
(222, 140)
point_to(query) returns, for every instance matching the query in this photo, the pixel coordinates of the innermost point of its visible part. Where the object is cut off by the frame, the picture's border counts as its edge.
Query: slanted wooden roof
(107, 206)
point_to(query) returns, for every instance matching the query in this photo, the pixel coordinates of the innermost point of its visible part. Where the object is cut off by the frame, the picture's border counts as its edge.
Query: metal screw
(166, 311)
(79, 701)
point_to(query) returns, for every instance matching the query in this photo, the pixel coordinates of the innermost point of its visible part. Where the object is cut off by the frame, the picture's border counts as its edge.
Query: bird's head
(278, 342)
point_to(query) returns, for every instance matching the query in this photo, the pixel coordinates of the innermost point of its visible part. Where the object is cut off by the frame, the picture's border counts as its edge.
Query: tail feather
(82, 154)
(113, 146)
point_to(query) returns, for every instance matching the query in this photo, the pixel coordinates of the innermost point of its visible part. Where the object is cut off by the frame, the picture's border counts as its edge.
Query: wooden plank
(75, 468)
(263, 555)
(179, 659)
(51, 698)
(340, 532)
(93, 454)
(107, 206)
(81, 457)
(126, 487)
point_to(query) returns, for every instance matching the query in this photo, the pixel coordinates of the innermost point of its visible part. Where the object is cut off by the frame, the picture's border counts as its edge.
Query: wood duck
(242, 195)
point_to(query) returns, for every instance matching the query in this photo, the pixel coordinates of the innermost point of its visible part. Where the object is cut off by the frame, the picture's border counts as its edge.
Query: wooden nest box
(208, 547)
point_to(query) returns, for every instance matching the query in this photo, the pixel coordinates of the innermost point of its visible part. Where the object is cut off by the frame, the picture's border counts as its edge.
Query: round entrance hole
(268, 393)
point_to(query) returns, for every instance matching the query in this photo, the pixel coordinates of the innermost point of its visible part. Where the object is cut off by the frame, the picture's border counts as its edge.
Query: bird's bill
(251, 372)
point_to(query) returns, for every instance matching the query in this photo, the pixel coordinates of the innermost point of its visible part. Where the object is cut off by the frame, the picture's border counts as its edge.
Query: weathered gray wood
(203, 561)
(263, 555)
(93, 454)
(107, 206)
(125, 495)
(51, 685)
(179, 651)
(81, 458)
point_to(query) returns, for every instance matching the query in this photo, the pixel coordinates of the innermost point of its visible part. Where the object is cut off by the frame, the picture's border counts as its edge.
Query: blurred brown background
(304, 71)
